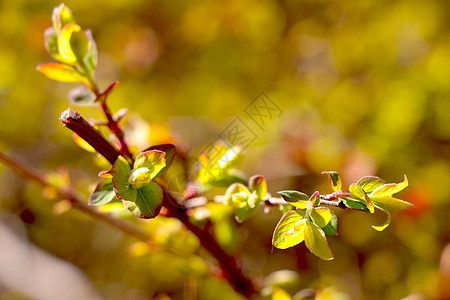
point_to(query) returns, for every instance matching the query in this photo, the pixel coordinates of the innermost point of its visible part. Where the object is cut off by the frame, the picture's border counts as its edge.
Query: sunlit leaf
(65, 43)
(61, 72)
(258, 184)
(321, 216)
(316, 241)
(148, 201)
(80, 44)
(389, 189)
(252, 205)
(332, 226)
(388, 221)
(235, 188)
(154, 160)
(103, 192)
(335, 180)
(295, 198)
(289, 230)
(370, 183)
(61, 16)
(169, 149)
(359, 193)
(280, 294)
(355, 203)
(120, 173)
(82, 96)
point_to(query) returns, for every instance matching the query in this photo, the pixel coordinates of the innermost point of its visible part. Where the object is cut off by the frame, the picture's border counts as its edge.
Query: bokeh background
(364, 88)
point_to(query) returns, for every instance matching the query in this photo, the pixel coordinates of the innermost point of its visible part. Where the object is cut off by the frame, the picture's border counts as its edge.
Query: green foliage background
(364, 87)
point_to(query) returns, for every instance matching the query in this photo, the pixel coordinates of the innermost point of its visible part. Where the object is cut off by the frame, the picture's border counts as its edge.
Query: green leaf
(295, 198)
(370, 183)
(80, 44)
(148, 201)
(233, 190)
(315, 199)
(154, 160)
(103, 192)
(331, 228)
(382, 195)
(91, 57)
(359, 193)
(258, 184)
(61, 72)
(335, 180)
(228, 179)
(321, 216)
(120, 173)
(51, 43)
(82, 96)
(354, 203)
(316, 241)
(388, 221)
(169, 149)
(389, 189)
(252, 205)
(139, 177)
(289, 230)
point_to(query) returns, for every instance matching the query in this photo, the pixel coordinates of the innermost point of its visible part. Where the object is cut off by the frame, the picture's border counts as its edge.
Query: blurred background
(363, 88)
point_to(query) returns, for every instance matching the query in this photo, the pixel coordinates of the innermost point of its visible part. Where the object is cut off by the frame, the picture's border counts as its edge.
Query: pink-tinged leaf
(169, 149)
(61, 72)
(153, 160)
(61, 16)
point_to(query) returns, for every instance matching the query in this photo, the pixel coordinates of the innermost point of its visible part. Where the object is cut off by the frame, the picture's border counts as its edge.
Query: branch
(75, 122)
(32, 174)
(228, 264)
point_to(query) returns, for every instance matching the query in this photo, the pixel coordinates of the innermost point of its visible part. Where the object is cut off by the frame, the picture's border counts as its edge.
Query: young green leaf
(359, 193)
(295, 198)
(235, 189)
(147, 203)
(169, 149)
(370, 183)
(82, 96)
(331, 228)
(316, 241)
(388, 221)
(51, 43)
(335, 180)
(72, 50)
(321, 216)
(103, 192)
(382, 195)
(91, 57)
(355, 203)
(61, 72)
(153, 160)
(252, 205)
(258, 184)
(61, 16)
(120, 173)
(289, 230)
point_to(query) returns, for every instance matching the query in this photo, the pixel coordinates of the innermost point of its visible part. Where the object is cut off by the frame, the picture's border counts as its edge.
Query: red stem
(228, 264)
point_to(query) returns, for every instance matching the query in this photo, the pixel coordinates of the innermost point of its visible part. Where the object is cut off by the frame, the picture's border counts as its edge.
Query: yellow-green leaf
(61, 16)
(321, 216)
(258, 184)
(295, 198)
(289, 230)
(61, 72)
(370, 183)
(316, 241)
(64, 42)
(148, 201)
(335, 180)
(103, 192)
(359, 193)
(389, 189)
(153, 160)
(388, 221)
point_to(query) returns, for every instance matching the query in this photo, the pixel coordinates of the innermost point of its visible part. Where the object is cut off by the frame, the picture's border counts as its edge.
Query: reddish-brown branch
(75, 122)
(32, 174)
(228, 264)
